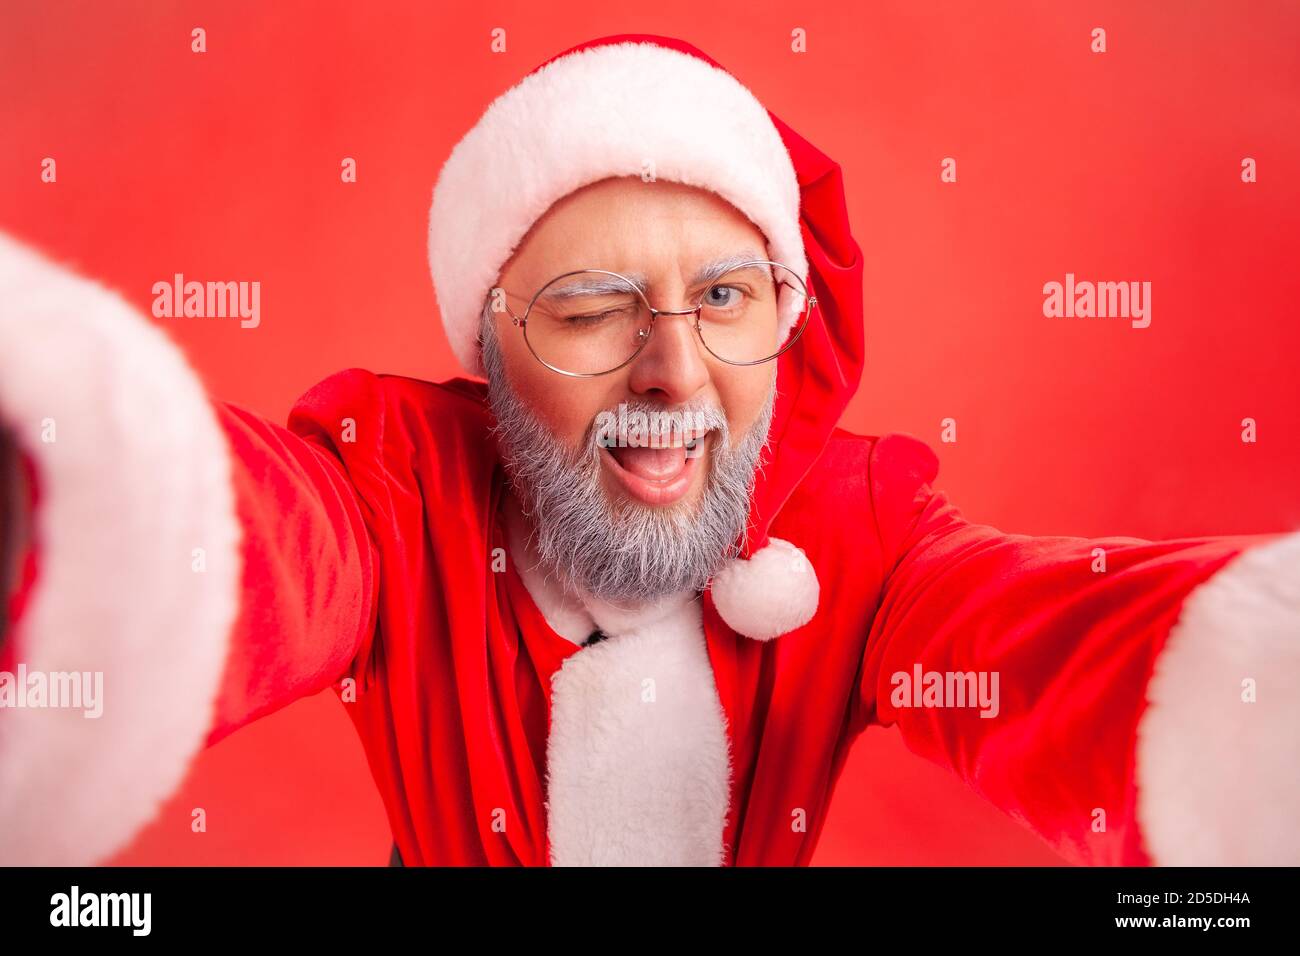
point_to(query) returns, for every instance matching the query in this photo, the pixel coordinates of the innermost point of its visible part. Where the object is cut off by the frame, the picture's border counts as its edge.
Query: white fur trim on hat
(773, 593)
(1217, 757)
(598, 113)
(136, 476)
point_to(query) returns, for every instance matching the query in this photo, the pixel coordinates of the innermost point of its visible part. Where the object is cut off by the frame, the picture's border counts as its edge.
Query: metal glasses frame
(521, 321)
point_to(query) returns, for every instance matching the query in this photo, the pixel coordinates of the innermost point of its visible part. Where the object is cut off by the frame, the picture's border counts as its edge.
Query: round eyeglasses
(593, 322)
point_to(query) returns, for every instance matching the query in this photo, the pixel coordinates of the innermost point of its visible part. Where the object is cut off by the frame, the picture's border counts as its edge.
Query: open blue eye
(722, 297)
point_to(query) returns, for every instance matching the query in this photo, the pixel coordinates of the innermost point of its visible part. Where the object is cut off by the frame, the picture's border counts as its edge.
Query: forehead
(658, 229)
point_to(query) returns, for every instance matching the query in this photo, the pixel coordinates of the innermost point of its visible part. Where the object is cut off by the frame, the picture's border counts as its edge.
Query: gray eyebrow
(719, 268)
(591, 284)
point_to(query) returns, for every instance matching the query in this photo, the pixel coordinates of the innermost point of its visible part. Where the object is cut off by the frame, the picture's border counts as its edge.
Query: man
(632, 600)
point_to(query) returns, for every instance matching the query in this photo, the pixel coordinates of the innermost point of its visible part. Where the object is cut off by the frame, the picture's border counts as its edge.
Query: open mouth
(658, 473)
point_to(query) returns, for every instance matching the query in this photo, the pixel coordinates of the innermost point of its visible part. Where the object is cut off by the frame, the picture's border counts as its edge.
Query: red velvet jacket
(452, 661)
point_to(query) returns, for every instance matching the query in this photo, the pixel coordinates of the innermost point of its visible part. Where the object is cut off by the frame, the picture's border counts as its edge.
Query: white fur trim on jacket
(598, 113)
(637, 755)
(638, 759)
(136, 477)
(1218, 774)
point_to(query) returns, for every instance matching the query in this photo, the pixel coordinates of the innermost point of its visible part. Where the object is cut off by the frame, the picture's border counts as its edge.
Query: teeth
(675, 441)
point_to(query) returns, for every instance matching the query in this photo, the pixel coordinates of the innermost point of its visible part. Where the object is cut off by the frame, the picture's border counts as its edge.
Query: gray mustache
(648, 425)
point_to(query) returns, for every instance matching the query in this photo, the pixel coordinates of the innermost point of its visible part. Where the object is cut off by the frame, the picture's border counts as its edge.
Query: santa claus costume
(359, 548)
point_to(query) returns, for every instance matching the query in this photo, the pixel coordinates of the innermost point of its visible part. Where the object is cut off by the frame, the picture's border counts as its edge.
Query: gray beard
(621, 551)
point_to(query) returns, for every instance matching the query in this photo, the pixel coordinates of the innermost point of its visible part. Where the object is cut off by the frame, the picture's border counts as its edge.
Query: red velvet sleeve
(310, 566)
(1022, 662)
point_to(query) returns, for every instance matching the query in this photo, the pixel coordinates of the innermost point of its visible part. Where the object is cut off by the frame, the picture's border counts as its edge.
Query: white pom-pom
(773, 593)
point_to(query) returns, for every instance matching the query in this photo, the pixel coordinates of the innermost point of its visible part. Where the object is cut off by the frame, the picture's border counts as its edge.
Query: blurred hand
(13, 523)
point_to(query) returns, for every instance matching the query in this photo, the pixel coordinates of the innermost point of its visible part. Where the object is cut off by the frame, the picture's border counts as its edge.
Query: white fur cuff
(1218, 751)
(134, 477)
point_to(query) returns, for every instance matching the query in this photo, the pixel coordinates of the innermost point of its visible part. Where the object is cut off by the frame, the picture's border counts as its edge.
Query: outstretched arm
(1131, 701)
(182, 564)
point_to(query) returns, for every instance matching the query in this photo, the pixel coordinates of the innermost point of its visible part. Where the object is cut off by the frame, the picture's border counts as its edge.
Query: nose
(671, 368)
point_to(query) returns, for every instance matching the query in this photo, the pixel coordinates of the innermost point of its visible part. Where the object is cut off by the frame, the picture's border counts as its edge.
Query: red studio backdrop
(1125, 165)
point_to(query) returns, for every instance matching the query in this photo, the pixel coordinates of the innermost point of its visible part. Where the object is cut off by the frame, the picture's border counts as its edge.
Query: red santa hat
(630, 105)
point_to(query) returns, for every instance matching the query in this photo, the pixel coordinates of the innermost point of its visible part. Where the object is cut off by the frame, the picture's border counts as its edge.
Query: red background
(1119, 166)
